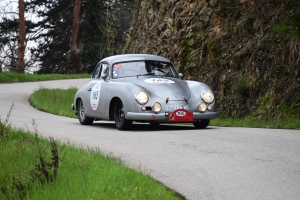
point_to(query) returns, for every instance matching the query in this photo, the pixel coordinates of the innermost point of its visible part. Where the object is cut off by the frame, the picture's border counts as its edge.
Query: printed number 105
(95, 94)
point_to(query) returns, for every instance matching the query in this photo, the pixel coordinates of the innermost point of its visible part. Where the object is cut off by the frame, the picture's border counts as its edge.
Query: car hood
(164, 87)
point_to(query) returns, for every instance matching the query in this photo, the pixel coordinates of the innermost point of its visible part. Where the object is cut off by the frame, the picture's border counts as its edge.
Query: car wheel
(83, 119)
(201, 124)
(121, 122)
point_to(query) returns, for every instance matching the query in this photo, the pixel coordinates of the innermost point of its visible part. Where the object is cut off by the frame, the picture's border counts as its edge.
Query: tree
(53, 41)
(15, 31)
(9, 32)
(63, 47)
(104, 29)
(74, 36)
(21, 41)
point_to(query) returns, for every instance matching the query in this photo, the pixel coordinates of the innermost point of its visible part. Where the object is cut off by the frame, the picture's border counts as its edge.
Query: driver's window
(160, 68)
(96, 73)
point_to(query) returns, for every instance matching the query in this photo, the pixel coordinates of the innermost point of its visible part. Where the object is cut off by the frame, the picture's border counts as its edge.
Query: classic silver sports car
(143, 88)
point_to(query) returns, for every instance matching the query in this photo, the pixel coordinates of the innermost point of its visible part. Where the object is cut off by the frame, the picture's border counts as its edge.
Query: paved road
(216, 163)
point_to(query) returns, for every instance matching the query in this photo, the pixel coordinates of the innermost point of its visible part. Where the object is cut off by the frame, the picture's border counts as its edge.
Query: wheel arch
(77, 101)
(111, 107)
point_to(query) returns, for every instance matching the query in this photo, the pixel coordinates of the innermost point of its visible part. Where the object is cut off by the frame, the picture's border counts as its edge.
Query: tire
(120, 121)
(201, 124)
(83, 119)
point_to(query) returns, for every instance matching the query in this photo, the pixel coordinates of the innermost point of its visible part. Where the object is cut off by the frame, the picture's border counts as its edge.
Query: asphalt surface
(215, 163)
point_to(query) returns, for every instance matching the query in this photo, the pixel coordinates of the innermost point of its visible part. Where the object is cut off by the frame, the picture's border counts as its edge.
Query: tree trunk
(21, 41)
(74, 36)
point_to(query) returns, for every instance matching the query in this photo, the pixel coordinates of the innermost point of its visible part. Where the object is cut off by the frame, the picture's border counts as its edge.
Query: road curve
(215, 163)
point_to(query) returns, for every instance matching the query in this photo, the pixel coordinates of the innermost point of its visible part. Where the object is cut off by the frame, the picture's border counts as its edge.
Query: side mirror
(181, 76)
(105, 72)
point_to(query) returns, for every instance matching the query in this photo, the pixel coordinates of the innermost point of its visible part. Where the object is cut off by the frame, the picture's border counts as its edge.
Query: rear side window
(96, 73)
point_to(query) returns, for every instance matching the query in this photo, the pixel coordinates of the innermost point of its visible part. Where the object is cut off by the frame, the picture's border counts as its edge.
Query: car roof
(133, 57)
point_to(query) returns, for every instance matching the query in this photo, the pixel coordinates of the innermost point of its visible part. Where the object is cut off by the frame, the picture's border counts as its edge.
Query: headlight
(156, 107)
(207, 96)
(141, 97)
(202, 106)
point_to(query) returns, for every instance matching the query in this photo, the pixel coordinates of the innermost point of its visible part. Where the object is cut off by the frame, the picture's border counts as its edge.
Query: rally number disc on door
(95, 96)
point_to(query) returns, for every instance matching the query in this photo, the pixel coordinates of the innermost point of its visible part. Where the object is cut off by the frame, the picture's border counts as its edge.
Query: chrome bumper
(164, 116)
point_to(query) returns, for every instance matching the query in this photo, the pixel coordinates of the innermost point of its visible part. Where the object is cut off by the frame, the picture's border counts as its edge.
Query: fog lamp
(202, 106)
(156, 107)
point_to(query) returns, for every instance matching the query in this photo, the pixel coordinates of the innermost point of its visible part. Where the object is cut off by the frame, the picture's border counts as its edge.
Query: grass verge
(58, 101)
(33, 167)
(250, 122)
(8, 77)
(55, 101)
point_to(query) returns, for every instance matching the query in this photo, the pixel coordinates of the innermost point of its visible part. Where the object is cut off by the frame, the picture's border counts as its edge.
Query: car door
(97, 90)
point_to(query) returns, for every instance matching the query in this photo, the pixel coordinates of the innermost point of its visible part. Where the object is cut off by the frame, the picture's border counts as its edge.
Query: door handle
(90, 89)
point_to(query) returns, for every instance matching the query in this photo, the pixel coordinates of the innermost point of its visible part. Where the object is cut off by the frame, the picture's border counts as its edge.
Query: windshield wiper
(150, 73)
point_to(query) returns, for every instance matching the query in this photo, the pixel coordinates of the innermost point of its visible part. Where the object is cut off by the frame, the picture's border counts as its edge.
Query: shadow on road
(143, 127)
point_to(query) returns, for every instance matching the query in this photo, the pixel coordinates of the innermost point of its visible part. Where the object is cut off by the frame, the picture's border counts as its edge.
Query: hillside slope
(247, 50)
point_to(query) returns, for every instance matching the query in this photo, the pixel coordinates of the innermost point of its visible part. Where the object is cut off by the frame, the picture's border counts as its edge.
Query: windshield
(140, 68)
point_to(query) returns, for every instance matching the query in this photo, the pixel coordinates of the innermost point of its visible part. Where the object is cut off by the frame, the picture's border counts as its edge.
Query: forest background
(247, 50)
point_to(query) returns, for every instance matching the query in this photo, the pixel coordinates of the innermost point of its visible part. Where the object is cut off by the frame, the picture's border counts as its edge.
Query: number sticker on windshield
(95, 96)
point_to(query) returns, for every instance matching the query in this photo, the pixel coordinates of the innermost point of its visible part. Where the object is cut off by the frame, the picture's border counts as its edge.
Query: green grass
(291, 122)
(58, 101)
(81, 173)
(6, 77)
(55, 101)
